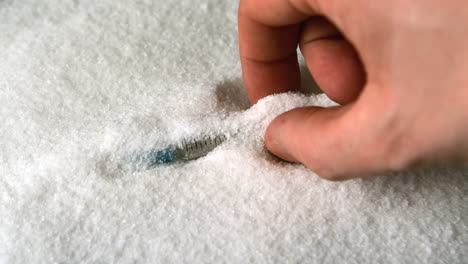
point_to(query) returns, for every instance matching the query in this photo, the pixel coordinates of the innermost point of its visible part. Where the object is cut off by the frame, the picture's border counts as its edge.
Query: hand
(398, 68)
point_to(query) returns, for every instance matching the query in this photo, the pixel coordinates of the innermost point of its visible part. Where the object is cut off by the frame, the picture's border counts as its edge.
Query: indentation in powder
(231, 96)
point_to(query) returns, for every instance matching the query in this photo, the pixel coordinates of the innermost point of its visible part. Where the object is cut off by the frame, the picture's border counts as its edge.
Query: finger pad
(336, 68)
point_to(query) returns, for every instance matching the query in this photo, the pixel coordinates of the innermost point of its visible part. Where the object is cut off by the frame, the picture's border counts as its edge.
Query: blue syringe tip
(152, 158)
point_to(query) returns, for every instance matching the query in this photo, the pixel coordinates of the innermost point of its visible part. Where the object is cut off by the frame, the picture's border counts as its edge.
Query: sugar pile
(84, 82)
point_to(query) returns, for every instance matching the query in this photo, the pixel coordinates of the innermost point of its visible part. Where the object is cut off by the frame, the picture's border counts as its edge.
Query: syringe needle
(188, 150)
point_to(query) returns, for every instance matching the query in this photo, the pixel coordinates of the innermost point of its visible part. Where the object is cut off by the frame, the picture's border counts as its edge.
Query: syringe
(188, 150)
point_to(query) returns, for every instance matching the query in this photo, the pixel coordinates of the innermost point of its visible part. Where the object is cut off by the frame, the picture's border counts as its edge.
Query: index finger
(268, 38)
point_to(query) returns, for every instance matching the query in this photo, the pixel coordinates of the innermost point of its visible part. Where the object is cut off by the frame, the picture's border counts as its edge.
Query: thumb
(337, 143)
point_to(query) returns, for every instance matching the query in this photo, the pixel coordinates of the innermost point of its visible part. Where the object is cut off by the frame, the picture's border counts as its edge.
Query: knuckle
(399, 149)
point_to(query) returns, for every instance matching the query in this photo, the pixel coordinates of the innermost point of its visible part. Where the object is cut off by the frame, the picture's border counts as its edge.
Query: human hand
(398, 68)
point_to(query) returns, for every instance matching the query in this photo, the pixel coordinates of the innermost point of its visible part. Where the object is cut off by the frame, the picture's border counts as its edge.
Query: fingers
(268, 57)
(268, 38)
(269, 32)
(332, 60)
(269, 66)
(337, 143)
(328, 141)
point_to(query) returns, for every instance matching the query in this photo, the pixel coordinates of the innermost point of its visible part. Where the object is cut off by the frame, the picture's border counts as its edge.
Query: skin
(398, 69)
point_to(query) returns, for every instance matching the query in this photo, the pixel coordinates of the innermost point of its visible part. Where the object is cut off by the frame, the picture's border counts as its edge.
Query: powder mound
(252, 123)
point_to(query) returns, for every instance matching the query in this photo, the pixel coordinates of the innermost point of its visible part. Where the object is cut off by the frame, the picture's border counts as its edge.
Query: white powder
(83, 82)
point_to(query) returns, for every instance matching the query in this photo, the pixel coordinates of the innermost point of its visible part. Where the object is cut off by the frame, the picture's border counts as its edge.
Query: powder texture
(84, 82)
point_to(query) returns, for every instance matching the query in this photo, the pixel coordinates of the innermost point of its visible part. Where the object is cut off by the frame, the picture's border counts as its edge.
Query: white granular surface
(83, 82)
